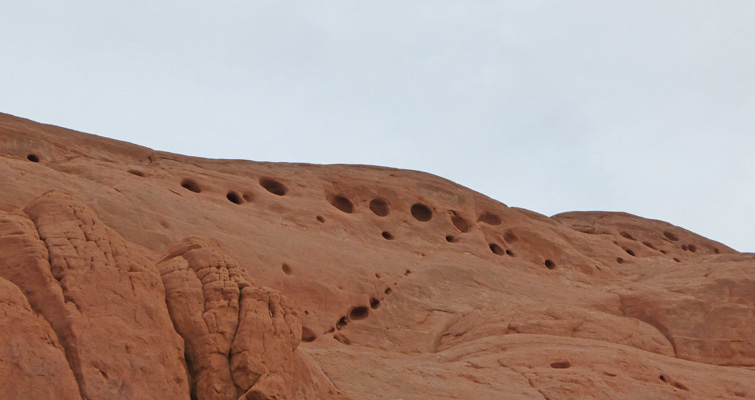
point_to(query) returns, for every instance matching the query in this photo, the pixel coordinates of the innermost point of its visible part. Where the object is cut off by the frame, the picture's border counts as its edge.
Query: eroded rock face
(706, 310)
(558, 320)
(335, 282)
(240, 338)
(32, 362)
(101, 297)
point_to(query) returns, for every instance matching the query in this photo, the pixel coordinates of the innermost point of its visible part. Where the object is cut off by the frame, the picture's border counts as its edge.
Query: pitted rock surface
(154, 275)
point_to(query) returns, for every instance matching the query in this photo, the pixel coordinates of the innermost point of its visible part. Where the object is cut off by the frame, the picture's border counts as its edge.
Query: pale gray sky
(646, 107)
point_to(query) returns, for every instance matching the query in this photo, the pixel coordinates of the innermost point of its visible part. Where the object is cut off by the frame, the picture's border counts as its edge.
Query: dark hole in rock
(136, 172)
(619, 260)
(341, 203)
(320, 218)
(32, 158)
(716, 250)
(286, 269)
(379, 207)
(692, 248)
(630, 252)
(561, 364)
(387, 235)
(341, 338)
(677, 260)
(684, 247)
(377, 275)
(663, 378)
(357, 313)
(670, 236)
(460, 223)
(489, 218)
(191, 184)
(308, 335)
(407, 272)
(233, 197)
(374, 303)
(388, 290)
(450, 238)
(495, 248)
(627, 235)
(663, 251)
(273, 186)
(421, 212)
(679, 385)
(509, 253)
(550, 264)
(341, 323)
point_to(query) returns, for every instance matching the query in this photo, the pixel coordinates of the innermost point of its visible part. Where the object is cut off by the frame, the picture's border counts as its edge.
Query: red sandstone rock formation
(127, 273)
(238, 337)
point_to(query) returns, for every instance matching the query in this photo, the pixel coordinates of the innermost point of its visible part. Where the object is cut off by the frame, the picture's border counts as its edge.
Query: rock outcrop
(32, 362)
(240, 338)
(127, 273)
(103, 299)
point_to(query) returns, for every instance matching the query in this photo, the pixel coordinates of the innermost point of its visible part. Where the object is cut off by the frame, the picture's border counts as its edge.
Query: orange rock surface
(128, 273)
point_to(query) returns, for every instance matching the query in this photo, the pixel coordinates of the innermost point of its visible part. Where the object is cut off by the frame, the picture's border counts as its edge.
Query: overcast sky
(646, 107)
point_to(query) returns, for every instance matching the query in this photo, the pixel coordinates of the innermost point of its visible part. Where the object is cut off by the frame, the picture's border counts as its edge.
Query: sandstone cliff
(127, 273)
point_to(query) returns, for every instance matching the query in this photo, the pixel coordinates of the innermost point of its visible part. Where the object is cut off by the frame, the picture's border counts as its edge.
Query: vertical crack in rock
(240, 338)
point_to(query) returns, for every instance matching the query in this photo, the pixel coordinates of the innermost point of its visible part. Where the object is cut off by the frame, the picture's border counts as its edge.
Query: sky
(644, 106)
